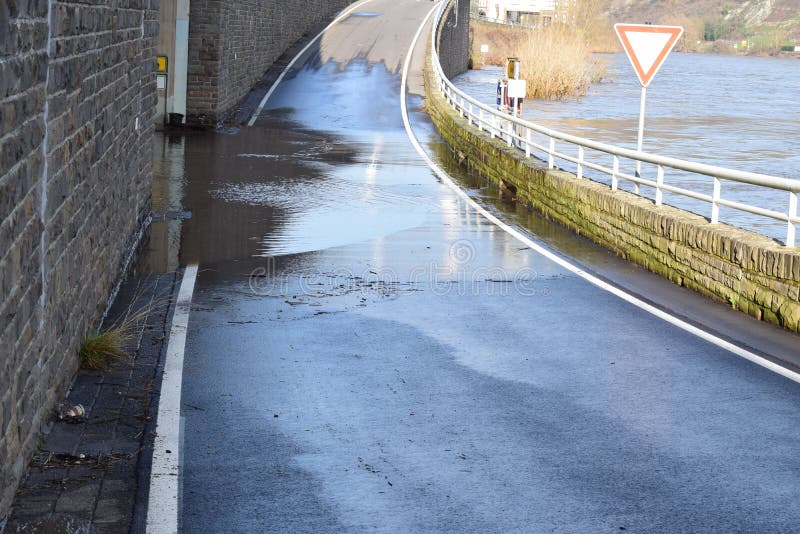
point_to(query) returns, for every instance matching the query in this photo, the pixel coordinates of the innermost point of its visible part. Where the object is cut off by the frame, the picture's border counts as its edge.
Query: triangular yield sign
(647, 47)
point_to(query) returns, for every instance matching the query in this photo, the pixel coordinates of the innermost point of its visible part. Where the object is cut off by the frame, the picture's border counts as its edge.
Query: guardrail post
(493, 127)
(715, 201)
(659, 183)
(461, 107)
(580, 163)
(480, 119)
(551, 159)
(614, 180)
(510, 133)
(469, 115)
(791, 228)
(527, 142)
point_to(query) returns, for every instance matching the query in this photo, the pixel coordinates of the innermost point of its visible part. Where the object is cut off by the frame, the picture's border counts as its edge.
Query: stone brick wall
(76, 94)
(453, 38)
(750, 272)
(232, 43)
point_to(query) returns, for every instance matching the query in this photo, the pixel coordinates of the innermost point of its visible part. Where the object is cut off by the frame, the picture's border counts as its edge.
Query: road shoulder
(90, 474)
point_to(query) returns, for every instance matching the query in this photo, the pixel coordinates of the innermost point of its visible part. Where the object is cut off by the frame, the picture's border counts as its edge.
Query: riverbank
(600, 38)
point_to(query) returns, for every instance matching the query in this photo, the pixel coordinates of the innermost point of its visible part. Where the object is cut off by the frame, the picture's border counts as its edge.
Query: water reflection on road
(296, 183)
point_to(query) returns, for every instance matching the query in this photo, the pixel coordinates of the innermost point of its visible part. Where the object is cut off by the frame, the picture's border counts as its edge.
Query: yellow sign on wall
(162, 63)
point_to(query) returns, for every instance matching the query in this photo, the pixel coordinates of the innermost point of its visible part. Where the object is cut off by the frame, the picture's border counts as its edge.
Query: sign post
(640, 138)
(512, 72)
(646, 47)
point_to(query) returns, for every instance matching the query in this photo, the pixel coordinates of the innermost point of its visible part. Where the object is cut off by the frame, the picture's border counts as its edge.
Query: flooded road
(730, 111)
(367, 353)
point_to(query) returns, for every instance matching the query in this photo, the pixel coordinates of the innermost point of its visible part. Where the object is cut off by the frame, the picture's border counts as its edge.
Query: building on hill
(533, 13)
(527, 12)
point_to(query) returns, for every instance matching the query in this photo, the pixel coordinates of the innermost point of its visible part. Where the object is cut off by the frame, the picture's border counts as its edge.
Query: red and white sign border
(675, 33)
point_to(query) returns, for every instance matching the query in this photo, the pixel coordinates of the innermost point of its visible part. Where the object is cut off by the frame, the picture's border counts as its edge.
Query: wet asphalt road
(365, 353)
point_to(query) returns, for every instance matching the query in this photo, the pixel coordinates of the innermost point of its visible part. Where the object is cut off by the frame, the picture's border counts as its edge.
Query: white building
(516, 11)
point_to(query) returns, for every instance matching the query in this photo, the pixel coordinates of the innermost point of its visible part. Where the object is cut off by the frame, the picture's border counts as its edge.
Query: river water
(736, 112)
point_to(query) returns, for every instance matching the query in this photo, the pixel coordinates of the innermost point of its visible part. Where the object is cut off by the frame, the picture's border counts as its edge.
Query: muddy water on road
(299, 181)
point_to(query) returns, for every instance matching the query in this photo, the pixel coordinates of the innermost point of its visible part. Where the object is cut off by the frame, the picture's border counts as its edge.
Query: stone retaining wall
(77, 92)
(750, 272)
(232, 43)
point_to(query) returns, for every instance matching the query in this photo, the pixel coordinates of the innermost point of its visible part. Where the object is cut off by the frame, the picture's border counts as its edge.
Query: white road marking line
(661, 314)
(162, 506)
(263, 103)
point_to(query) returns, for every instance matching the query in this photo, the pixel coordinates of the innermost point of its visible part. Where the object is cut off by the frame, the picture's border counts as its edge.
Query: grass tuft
(99, 350)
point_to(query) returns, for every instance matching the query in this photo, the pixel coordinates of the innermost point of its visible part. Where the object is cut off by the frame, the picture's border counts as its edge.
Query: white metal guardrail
(519, 133)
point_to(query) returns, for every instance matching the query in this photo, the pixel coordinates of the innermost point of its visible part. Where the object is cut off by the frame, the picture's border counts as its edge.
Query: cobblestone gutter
(90, 473)
(751, 272)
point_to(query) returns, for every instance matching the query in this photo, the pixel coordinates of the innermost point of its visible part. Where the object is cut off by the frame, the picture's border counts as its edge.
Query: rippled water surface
(737, 112)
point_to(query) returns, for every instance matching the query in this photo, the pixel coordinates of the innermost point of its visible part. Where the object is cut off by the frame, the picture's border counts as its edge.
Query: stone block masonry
(453, 36)
(750, 272)
(77, 91)
(232, 44)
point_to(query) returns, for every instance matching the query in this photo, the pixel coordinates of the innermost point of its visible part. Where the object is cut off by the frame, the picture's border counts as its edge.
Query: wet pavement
(365, 352)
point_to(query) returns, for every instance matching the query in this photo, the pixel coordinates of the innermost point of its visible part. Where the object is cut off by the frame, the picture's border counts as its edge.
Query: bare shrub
(556, 61)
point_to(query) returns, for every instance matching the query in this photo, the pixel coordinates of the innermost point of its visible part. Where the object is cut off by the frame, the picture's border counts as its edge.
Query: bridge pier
(217, 50)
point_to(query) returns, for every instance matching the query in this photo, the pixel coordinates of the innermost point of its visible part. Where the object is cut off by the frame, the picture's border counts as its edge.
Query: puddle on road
(352, 99)
(503, 206)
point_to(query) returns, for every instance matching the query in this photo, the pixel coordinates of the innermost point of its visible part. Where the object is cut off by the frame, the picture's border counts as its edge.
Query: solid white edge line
(162, 506)
(661, 314)
(264, 100)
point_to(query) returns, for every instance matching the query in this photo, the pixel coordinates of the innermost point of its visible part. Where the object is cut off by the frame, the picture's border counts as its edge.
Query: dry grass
(556, 61)
(99, 350)
(603, 40)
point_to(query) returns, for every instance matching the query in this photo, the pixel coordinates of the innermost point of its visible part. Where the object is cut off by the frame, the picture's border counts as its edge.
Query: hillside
(716, 25)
